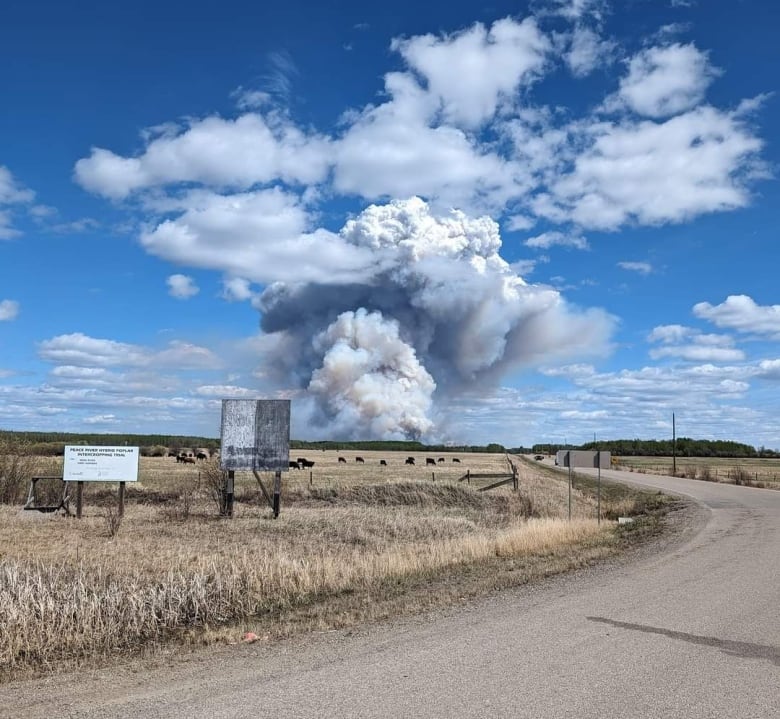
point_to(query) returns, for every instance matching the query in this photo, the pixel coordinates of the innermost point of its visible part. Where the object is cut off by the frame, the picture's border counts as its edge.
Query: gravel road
(691, 630)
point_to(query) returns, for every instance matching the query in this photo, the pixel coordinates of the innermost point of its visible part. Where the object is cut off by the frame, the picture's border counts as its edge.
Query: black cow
(294, 465)
(441, 459)
(409, 460)
(360, 460)
(342, 460)
(383, 463)
(455, 459)
(430, 460)
(202, 455)
(306, 463)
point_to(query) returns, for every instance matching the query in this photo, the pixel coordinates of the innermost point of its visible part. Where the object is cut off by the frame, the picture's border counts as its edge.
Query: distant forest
(52, 443)
(684, 447)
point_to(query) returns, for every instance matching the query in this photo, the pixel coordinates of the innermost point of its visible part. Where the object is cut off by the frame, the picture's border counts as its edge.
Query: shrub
(17, 466)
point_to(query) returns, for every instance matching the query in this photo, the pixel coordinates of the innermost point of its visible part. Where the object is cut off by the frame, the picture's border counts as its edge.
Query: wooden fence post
(121, 499)
(79, 498)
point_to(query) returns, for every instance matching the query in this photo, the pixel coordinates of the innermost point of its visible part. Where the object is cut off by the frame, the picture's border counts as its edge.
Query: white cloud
(9, 310)
(548, 239)
(472, 72)
(533, 162)
(237, 289)
(670, 333)
(220, 152)
(182, 287)
(741, 313)
(576, 9)
(261, 236)
(769, 369)
(392, 151)
(11, 192)
(587, 51)
(653, 173)
(225, 391)
(80, 350)
(699, 347)
(107, 419)
(699, 353)
(664, 81)
(643, 268)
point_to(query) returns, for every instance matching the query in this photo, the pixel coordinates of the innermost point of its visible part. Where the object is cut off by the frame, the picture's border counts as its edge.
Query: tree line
(53, 443)
(683, 447)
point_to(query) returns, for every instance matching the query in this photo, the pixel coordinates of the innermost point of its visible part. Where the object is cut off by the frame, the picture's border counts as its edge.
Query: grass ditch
(348, 549)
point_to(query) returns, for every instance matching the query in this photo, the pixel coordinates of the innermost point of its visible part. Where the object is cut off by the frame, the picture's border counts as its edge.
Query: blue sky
(520, 222)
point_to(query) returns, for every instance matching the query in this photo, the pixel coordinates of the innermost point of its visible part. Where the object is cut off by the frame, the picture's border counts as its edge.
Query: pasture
(355, 541)
(756, 472)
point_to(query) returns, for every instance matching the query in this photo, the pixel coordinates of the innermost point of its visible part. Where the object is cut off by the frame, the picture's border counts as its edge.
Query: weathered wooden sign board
(255, 434)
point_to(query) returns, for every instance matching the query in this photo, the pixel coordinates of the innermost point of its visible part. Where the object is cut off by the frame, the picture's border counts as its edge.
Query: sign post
(255, 436)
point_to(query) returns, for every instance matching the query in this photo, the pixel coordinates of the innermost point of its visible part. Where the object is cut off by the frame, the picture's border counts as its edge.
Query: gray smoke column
(440, 311)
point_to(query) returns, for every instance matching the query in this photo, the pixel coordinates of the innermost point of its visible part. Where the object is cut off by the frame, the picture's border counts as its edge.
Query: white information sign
(100, 464)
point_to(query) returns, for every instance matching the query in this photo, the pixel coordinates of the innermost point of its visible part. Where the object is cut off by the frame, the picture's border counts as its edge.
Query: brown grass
(79, 591)
(752, 472)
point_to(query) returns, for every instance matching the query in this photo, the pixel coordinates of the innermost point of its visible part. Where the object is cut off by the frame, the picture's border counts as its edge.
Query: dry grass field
(754, 472)
(354, 542)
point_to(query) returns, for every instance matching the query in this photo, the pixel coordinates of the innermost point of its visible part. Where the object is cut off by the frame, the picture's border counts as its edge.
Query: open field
(354, 542)
(757, 472)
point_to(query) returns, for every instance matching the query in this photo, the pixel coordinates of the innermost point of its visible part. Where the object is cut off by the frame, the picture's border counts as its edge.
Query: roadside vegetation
(355, 542)
(763, 473)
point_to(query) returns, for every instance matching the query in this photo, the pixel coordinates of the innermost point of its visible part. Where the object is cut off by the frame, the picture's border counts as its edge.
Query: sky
(519, 222)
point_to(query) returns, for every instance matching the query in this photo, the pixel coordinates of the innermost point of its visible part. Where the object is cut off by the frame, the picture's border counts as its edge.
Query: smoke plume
(440, 313)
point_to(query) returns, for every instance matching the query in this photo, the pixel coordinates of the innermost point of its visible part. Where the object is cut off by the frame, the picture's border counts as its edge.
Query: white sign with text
(100, 464)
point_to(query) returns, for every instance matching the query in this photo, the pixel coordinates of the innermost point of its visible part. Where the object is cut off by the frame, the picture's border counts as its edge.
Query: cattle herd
(301, 462)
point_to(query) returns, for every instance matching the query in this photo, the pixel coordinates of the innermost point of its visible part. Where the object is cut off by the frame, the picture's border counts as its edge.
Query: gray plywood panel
(255, 434)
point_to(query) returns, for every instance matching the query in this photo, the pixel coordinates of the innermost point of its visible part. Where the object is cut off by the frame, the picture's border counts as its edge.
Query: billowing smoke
(440, 312)
(370, 379)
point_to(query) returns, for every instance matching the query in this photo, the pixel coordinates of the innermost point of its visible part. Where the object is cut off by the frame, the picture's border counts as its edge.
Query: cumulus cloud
(587, 51)
(643, 268)
(182, 287)
(742, 313)
(691, 345)
(262, 236)
(80, 350)
(653, 173)
(252, 149)
(237, 289)
(11, 193)
(472, 72)
(548, 239)
(9, 310)
(458, 126)
(664, 81)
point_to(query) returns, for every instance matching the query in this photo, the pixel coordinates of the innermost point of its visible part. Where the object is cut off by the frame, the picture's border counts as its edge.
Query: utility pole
(674, 448)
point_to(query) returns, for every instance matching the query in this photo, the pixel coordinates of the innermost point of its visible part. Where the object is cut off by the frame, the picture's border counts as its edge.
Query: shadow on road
(744, 650)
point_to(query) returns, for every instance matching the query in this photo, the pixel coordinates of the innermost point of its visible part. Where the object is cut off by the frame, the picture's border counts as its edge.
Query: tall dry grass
(71, 591)
(61, 611)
